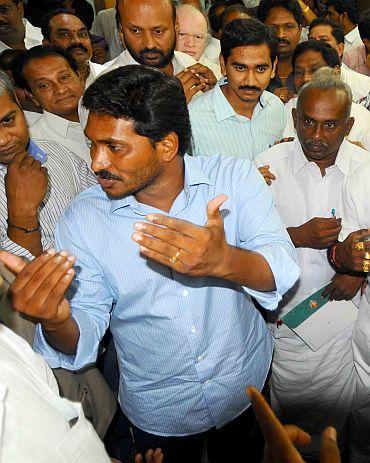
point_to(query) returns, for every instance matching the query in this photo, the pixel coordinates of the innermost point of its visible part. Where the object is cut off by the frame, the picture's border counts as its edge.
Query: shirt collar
(222, 107)
(57, 123)
(193, 176)
(350, 37)
(342, 161)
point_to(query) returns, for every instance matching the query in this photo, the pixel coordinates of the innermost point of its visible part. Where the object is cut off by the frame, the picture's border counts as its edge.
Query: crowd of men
(183, 215)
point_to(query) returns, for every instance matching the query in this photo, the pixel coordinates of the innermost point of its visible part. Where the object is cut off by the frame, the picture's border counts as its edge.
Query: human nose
(99, 158)
(318, 131)
(5, 137)
(148, 40)
(250, 79)
(281, 32)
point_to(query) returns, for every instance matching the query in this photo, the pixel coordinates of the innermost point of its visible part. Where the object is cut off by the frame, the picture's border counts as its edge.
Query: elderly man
(285, 16)
(307, 59)
(149, 33)
(15, 31)
(315, 388)
(345, 13)
(184, 360)
(192, 36)
(50, 77)
(329, 32)
(358, 58)
(238, 117)
(66, 30)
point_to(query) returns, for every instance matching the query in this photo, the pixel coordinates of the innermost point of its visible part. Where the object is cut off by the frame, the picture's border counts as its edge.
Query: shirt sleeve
(351, 204)
(262, 230)
(90, 298)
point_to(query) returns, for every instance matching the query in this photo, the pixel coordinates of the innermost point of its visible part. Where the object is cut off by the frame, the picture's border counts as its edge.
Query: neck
(73, 117)
(168, 69)
(84, 71)
(284, 67)
(244, 108)
(162, 194)
(348, 27)
(323, 164)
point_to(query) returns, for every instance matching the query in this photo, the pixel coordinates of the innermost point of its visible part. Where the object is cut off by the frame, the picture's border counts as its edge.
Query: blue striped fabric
(217, 129)
(187, 347)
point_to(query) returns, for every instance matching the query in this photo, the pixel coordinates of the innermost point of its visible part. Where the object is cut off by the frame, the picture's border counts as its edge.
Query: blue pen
(333, 213)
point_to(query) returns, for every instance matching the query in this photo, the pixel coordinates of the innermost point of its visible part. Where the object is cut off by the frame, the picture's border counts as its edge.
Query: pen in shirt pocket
(332, 213)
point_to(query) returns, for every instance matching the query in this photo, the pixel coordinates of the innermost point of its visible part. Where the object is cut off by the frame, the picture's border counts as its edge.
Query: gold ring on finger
(366, 266)
(367, 255)
(174, 258)
(360, 246)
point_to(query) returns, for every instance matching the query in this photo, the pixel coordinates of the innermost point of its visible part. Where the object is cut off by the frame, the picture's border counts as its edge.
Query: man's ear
(274, 64)
(349, 125)
(32, 97)
(168, 147)
(295, 116)
(340, 49)
(20, 8)
(222, 64)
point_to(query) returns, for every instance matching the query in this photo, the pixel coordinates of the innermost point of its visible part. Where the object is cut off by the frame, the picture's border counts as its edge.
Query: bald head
(148, 28)
(192, 31)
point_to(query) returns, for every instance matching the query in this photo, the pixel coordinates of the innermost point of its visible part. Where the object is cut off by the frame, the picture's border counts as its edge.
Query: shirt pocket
(81, 444)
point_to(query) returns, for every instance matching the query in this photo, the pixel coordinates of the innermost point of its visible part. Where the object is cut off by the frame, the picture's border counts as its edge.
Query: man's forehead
(66, 21)
(280, 15)
(7, 3)
(252, 53)
(192, 21)
(103, 126)
(322, 29)
(44, 66)
(323, 103)
(7, 104)
(144, 10)
(309, 58)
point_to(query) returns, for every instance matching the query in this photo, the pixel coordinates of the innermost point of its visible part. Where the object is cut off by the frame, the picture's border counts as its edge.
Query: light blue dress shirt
(186, 346)
(218, 129)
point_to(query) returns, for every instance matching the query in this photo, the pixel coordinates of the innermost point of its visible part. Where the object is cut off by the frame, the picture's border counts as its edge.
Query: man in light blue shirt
(238, 117)
(170, 249)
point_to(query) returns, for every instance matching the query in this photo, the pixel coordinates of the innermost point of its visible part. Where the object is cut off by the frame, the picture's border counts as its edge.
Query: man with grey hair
(192, 36)
(315, 388)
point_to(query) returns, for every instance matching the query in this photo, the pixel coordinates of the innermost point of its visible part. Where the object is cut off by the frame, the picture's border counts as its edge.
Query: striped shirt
(68, 176)
(218, 129)
(186, 346)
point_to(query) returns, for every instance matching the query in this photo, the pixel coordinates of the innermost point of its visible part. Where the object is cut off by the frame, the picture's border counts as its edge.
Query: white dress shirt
(33, 37)
(214, 67)
(359, 132)
(95, 70)
(359, 83)
(69, 134)
(310, 389)
(35, 424)
(352, 39)
(356, 216)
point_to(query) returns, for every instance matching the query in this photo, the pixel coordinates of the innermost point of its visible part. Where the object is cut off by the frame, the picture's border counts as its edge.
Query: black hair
(345, 6)
(328, 53)
(243, 32)
(45, 24)
(35, 10)
(37, 52)
(7, 57)
(152, 100)
(292, 6)
(215, 19)
(364, 24)
(83, 9)
(336, 29)
(241, 9)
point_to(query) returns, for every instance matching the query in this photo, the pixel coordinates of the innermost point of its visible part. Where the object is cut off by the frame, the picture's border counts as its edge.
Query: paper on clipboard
(316, 320)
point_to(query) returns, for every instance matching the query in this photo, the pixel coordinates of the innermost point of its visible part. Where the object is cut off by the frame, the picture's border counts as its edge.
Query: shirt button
(193, 329)
(200, 358)
(185, 292)
(206, 381)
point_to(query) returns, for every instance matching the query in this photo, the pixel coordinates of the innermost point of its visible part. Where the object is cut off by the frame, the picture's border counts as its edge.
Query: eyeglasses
(198, 38)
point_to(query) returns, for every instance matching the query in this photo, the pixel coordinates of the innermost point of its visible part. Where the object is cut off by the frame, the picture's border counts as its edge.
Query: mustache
(146, 51)
(249, 87)
(107, 175)
(316, 143)
(283, 42)
(77, 46)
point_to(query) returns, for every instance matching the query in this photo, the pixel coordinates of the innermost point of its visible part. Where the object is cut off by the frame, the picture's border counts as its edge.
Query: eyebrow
(9, 114)
(63, 29)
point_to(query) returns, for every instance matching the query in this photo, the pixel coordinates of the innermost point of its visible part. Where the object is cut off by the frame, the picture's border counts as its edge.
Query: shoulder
(202, 103)
(272, 100)
(82, 205)
(56, 152)
(277, 154)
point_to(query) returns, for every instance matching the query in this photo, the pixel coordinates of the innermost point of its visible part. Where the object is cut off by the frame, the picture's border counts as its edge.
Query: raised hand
(187, 248)
(317, 233)
(348, 256)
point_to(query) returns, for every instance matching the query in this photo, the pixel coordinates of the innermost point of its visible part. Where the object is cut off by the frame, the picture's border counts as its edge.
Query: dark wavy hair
(266, 6)
(328, 53)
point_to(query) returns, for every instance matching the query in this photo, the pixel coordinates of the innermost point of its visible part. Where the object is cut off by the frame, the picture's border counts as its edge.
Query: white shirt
(95, 70)
(33, 37)
(215, 68)
(35, 421)
(31, 117)
(105, 26)
(359, 83)
(359, 132)
(314, 196)
(69, 134)
(213, 50)
(352, 39)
